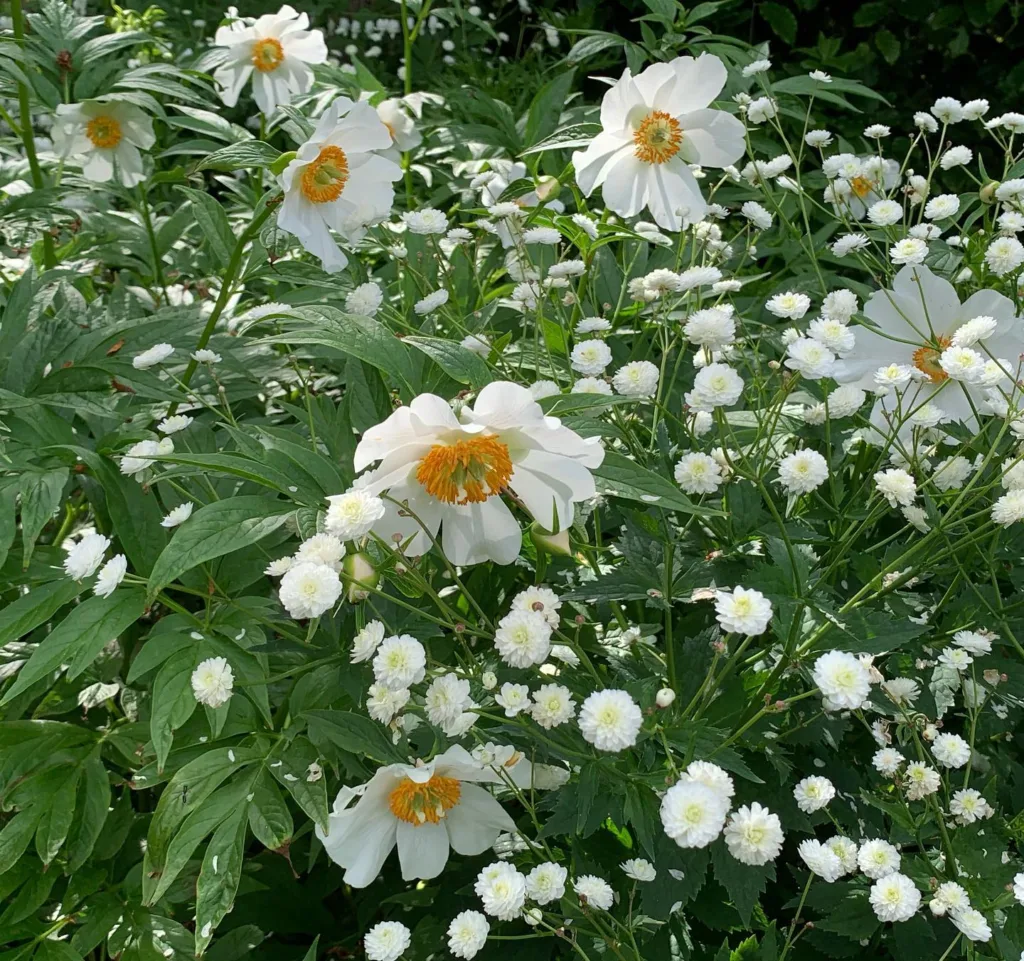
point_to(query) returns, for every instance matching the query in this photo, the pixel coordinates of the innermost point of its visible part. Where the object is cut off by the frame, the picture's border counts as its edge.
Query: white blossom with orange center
(912, 325)
(426, 810)
(275, 50)
(859, 182)
(455, 475)
(339, 181)
(654, 125)
(106, 137)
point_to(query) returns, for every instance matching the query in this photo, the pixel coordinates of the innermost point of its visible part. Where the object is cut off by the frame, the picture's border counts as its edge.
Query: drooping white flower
(653, 126)
(156, 354)
(821, 859)
(1009, 509)
(595, 891)
(431, 302)
(949, 898)
(894, 898)
(309, 589)
(105, 137)
(610, 720)
(111, 574)
(754, 835)
(446, 700)
(138, 460)
(213, 681)
(366, 642)
(84, 558)
(401, 126)
(790, 305)
(743, 611)
(845, 850)
(275, 51)
(972, 924)
(387, 941)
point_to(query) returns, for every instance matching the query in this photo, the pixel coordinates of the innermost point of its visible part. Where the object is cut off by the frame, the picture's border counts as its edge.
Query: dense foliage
(603, 487)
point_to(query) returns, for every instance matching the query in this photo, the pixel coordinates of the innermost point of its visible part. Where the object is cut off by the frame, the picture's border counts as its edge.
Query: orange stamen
(658, 138)
(324, 179)
(267, 54)
(103, 131)
(926, 360)
(424, 803)
(466, 472)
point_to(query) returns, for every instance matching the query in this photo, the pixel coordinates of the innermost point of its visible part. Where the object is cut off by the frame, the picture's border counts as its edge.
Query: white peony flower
(106, 138)
(212, 682)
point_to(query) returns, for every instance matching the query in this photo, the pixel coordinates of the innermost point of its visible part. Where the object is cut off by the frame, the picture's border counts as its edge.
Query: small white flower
(383, 703)
(400, 661)
(542, 235)
(85, 557)
(761, 109)
(810, 358)
(790, 305)
(878, 859)
(366, 642)
(896, 486)
(546, 883)
(951, 750)
(921, 780)
(639, 378)
(1009, 509)
(352, 515)
(212, 682)
(610, 720)
(947, 110)
(309, 589)
(110, 575)
(639, 869)
(698, 473)
(467, 934)
(425, 221)
(1004, 255)
(968, 806)
(431, 302)
(156, 354)
(595, 891)
(206, 356)
(716, 385)
(540, 600)
(172, 425)
(692, 814)
(972, 924)
(942, 206)
(552, 705)
(743, 611)
(364, 300)
(894, 898)
(513, 698)
(502, 890)
(757, 215)
(973, 642)
(842, 679)
(821, 860)
(956, 157)
(758, 66)
(591, 357)
(523, 638)
(813, 793)
(754, 835)
(884, 213)
(910, 250)
(387, 941)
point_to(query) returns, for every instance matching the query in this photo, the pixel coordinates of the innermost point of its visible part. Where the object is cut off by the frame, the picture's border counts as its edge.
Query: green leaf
(744, 882)
(173, 701)
(868, 14)
(888, 46)
(780, 19)
(455, 360)
(269, 817)
(90, 813)
(215, 530)
(354, 733)
(214, 224)
(15, 836)
(548, 104)
(8, 518)
(36, 607)
(618, 476)
(55, 823)
(41, 495)
(290, 767)
(80, 637)
(238, 156)
(219, 877)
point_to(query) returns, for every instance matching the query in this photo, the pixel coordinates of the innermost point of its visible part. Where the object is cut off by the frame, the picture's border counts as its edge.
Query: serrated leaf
(455, 360)
(744, 882)
(354, 733)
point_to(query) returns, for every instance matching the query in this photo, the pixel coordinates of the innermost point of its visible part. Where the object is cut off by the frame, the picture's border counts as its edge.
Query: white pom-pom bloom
(972, 924)
(743, 611)
(383, 704)
(813, 793)
(712, 327)
(653, 126)
(446, 700)
(552, 705)
(387, 941)
(591, 357)
(887, 761)
(513, 698)
(156, 354)
(610, 720)
(842, 679)
(212, 682)
(139, 458)
(711, 776)
(595, 891)
(451, 472)
(698, 473)
(754, 835)
(894, 898)
(523, 638)
(790, 305)
(325, 549)
(111, 574)
(400, 661)
(502, 890)
(467, 934)
(921, 780)
(1009, 509)
(539, 600)
(968, 806)
(693, 814)
(275, 50)
(716, 385)
(309, 590)
(639, 869)
(821, 859)
(423, 809)
(878, 858)
(951, 750)
(546, 883)
(365, 299)
(337, 182)
(810, 358)
(845, 850)
(105, 138)
(896, 486)
(352, 515)
(639, 379)
(366, 642)
(85, 557)
(802, 471)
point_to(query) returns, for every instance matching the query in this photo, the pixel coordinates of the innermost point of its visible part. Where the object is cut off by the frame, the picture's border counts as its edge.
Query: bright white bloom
(951, 473)
(639, 869)
(942, 206)
(446, 700)
(365, 300)
(175, 424)
(111, 574)
(513, 698)
(910, 250)
(956, 157)
(610, 720)
(275, 50)
(972, 924)
(716, 385)
(279, 567)
(337, 182)
(921, 780)
(205, 356)
(595, 891)
(431, 302)
(821, 859)
(712, 327)
(586, 225)
(790, 305)
(818, 138)
(523, 638)
(539, 600)
(950, 898)
(758, 66)
(902, 690)
(842, 679)
(105, 138)
(591, 357)
(323, 549)
(810, 358)
(85, 557)
(711, 776)
(692, 814)
(424, 809)
(743, 611)
(956, 658)
(309, 590)
(848, 243)
(1009, 509)
(400, 661)
(802, 471)
(884, 213)
(352, 515)
(951, 750)
(639, 378)
(552, 705)
(761, 109)
(502, 889)
(896, 486)
(366, 642)
(450, 471)
(698, 473)
(973, 642)
(544, 388)
(754, 835)
(846, 851)
(592, 325)
(1004, 255)
(547, 236)
(546, 883)
(383, 703)
(653, 126)
(757, 215)
(401, 126)
(833, 334)
(968, 806)
(1018, 887)
(813, 793)
(467, 934)
(592, 385)
(156, 354)
(948, 110)
(878, 859)
(429, 220)
(894, 898)
(212, 682)
(387, 941)
(138, 459)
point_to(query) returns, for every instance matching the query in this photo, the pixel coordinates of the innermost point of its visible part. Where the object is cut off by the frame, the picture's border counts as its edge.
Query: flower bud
(277, 167)
(361, 576)
(665, 697)
(489, 680)
(988, 192)
(550, 543)
(548, 188)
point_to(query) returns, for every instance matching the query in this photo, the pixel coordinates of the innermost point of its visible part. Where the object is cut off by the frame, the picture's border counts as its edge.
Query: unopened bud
(360, 575)
(664, 697)
(549, 543)
(277, 167)
(489, 680)
(988, 192)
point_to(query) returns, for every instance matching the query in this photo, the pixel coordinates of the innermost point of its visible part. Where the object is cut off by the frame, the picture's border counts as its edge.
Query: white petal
(422, 850)
(713, 138)
(476, 821)
(474, 533)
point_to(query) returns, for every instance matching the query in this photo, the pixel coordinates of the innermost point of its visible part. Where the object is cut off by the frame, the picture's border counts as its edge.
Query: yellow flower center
(658, 138)
(104, 131)
(324, 179)
(419, 803)
(861, 186)
(926, 360)
(267, 54)
(466, 472)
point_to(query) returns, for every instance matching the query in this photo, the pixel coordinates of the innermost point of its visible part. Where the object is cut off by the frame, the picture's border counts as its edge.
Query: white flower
(846, 851)
(365, 300)
(761, 109)
(278, 47)
(337, 182)
(552, 705)
(639, 869)
(968, 806)
(884, 213)
(105, 137)
(973, 642)
(743, 611)
(446, 699)
(212, 682)
(387, 941)
(956, 157)
(366, 642)
(1004, 255)
(951, 750)
(352, 515)
(467, 934)
(431, 302)
(948, 110)
(139, 458)
(84, 558)
(810, 358)
(813, 793)
(546, 883)
(1018, 887)
(902, 690)
(972, 924)
(513, 698)
(712, 327)
(400, 661)
(502, 889)
(802, 471)
(754, 835)
(896, 486)
(693, 814)
(910, 250)
(610, 720)
(567, 268)
(833, 334)
(309, 590)
(479, 344)
(949, 897)
(111, 574)
(586, 225)
(425, 809)
(711, 776)
(848, 243)
(544, 388)
(523, 638)
(206, 356)
(758, 66)
(842, 679)
(451, 472)
(942, 206)
(591, 357)
(716, 385)
(177, 515)
(323, 549)
(757, 215)
(878, 859)
(539, 600)
(429, 220)
(594, 891)
(818, 138)
(956, 658)
(925, 122)
(876, 131)
(541, 235)
(156, 354)
(1009, 509)
(653, 126)
(921, 780)
(175, 424)
(790, 305)
(821, 859)
(383, 703)
(951, 473)
(698, 473)
(591, 325)
(894, 898)
(639, 378)
(592, 385)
